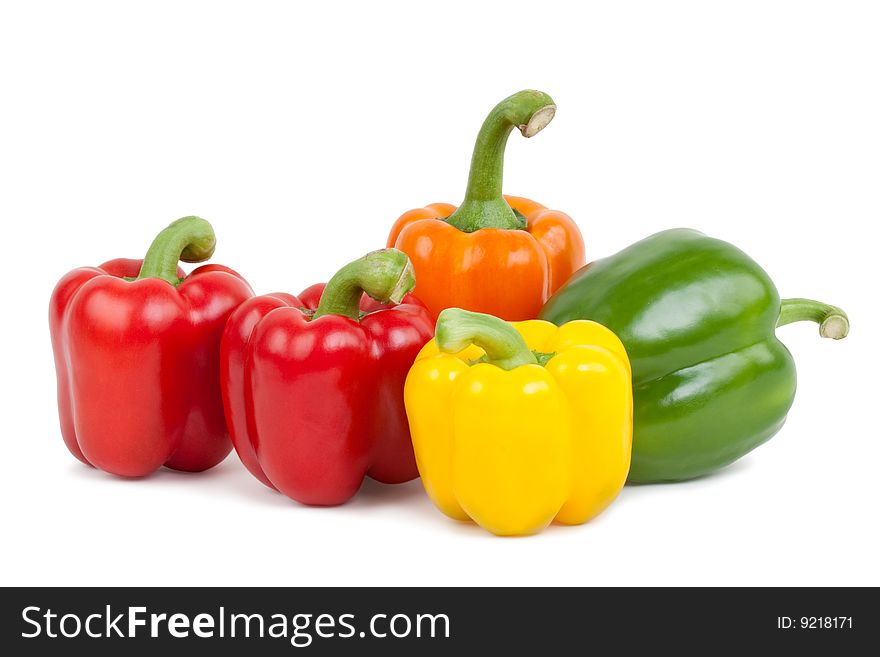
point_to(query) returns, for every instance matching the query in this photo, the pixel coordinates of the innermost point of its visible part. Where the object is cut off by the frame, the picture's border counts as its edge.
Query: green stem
(504, 346)
(190, 239)
(483, 205)
(833, 322)
(386, 275)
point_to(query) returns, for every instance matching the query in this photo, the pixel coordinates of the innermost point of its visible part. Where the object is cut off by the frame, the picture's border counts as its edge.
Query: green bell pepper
(697, 316)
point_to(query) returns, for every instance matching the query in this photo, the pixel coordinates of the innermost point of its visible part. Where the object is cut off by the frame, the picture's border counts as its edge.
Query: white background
(302, 130)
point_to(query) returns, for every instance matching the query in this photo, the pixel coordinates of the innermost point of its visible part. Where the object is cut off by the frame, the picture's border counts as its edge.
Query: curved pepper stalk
(833, 322)
(483, 205)
(189, 239)
(385, 275)
(457, 329)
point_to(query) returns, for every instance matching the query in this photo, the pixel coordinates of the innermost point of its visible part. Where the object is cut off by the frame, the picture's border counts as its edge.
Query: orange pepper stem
(190, 239)
(385, 275)
(483, 205)
(457, 329)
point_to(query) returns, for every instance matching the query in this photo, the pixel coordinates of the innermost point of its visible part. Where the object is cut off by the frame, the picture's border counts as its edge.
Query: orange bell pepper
(495, 254)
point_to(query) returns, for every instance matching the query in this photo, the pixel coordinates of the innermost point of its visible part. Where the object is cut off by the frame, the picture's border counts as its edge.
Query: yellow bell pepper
(518, 424)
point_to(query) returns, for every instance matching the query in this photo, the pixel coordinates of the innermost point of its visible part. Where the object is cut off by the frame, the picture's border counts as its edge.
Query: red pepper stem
(385, 275)
(833, 322)
(483, 205)
(190, 239)
(457, 329)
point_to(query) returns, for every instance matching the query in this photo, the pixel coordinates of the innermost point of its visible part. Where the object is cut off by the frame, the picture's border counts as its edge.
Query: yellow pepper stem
(457, 329)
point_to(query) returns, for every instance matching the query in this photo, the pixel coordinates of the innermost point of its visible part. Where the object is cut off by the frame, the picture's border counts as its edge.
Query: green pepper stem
(386, 275)
(483, 205)
(504, 346)
(833, 322)
(190, 239)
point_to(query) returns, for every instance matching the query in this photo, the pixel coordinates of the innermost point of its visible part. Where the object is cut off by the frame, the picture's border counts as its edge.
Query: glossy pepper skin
(313, 385)
(502, 255)
(137, 347)
(697, 316)
(513, 439)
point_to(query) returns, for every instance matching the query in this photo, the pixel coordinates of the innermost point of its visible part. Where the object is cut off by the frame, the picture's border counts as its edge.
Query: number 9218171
(814, 623)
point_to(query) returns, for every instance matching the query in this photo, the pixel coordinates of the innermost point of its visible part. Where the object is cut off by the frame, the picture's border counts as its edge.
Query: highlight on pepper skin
(516, 425)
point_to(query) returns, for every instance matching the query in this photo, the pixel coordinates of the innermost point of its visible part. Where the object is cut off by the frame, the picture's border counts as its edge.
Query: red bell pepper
(313, 385)
(137, 347)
